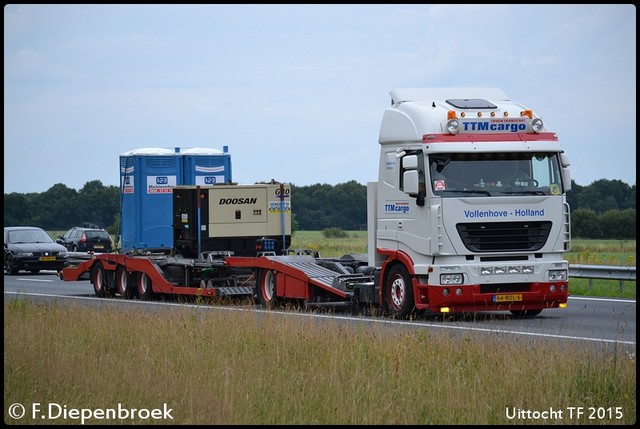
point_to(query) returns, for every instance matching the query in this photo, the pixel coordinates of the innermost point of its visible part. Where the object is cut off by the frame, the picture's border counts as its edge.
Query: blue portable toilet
(206, 166)
(147, 178)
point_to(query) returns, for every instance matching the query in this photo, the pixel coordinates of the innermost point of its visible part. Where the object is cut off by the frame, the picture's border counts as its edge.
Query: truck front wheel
(398, 295)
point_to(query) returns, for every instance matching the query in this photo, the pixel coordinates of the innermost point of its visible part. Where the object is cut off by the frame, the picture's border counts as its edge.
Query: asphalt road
(594, 322)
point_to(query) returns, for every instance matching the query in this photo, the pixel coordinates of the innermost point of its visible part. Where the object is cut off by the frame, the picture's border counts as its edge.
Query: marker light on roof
(536, 125)
(528, 113)
(453, 126)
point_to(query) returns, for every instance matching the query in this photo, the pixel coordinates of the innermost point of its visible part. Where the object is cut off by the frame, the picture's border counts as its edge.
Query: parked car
(82, 239)
(30, 248)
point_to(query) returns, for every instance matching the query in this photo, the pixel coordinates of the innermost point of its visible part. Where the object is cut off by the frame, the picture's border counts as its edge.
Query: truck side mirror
(566, 173)
(410, 182)
(411, 178)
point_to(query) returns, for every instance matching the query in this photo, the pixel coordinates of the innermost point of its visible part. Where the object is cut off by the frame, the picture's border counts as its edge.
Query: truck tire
(267, 288)
(398, 293)
(123, 282)
(145, 287)
(99, 280)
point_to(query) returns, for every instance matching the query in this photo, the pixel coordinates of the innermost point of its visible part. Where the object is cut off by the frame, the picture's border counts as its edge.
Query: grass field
(232, 367)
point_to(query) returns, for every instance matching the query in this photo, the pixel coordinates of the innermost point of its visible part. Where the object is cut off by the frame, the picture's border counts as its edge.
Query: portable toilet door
(147, 178)
(206, 166)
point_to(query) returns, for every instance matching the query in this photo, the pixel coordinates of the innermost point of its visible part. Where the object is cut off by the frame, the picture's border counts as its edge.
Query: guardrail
(605, 272)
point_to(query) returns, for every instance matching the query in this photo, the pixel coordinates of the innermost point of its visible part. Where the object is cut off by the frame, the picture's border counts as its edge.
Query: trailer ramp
(330, 276)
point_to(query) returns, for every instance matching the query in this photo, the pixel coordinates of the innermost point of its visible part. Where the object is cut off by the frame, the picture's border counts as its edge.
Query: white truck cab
(469, 211)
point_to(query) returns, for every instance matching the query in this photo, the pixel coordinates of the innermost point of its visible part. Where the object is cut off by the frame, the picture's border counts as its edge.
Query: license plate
(99, 246)
(508, 297)
(47, 258)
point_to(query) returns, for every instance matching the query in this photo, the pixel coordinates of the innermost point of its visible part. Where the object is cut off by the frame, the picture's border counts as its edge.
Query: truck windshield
(495, 174)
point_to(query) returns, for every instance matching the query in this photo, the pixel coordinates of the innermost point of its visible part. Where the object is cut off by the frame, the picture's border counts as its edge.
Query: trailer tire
(144, 286)
(123, 282)
(398, 293)
(267, 288)
(99, 280)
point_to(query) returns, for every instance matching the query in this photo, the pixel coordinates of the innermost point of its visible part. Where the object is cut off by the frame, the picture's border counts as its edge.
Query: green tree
(585, 224)
(17, 209)
(98, 204)
(619, 224)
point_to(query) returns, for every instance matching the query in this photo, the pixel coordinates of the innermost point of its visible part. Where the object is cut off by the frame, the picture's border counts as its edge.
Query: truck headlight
(451, 279)
(557, 275)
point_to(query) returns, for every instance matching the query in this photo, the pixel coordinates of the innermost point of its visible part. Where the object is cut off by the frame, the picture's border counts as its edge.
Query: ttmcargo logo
(234, 201)
(496, 125)
(396, 207)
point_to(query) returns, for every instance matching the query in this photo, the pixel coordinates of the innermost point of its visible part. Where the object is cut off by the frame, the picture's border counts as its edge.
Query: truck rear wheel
(267, 288)
(145, 288)
(99, 280)
(398, 295)
(123, 282)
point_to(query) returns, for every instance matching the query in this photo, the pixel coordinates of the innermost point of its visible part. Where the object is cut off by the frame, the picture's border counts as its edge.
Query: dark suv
(82, 239)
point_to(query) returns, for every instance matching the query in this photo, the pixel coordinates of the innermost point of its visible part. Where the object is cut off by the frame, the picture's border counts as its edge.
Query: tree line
(605, 209)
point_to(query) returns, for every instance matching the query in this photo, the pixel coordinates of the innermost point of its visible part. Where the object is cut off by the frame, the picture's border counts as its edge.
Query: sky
(297, 92)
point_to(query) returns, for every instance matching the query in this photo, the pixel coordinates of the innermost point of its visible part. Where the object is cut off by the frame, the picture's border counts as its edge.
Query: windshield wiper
(523, 192)
(468, 191)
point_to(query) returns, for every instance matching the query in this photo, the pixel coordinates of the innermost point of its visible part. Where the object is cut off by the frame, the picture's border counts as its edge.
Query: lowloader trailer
(468, 214)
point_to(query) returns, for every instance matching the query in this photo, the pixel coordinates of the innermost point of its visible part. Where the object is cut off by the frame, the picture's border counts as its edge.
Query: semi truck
(468, 214)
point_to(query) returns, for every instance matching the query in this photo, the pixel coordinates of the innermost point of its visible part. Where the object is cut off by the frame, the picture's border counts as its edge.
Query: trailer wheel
(267, 288)
(145, 288)
(99, 280)
(398, 294)
(123, 282)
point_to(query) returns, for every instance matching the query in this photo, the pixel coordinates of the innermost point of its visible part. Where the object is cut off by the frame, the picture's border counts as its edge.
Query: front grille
(504, 236)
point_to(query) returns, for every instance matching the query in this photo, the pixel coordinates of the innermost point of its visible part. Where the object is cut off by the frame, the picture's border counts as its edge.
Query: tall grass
(231, 367)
